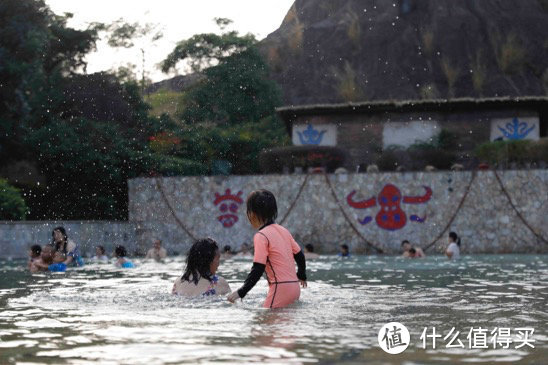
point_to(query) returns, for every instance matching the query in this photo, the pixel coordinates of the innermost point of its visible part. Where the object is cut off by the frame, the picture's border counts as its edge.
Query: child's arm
(260, 243)
(253, 277)
(301, 265)
(298, 255)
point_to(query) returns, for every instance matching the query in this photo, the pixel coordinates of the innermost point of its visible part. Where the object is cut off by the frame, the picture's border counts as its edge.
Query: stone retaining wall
(486, 221)
(425, 205)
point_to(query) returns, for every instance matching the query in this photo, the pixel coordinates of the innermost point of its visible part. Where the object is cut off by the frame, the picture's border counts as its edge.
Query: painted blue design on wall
(365, 220)
(516, 130)
(311, 136)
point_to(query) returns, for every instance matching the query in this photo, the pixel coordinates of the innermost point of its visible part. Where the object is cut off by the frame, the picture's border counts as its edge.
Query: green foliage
(237, 90)
(228, 117)
(36, 50)
(276, 159)
(12, 205)
(165, 102)
(439, 152)
(239, 145)
(390, 159)
(176, 166)
(202, 51)
(236, 87)
(510, 53)
(504, 152)
(347, 86)
(86, 177)
(451, 75)
(122, 34)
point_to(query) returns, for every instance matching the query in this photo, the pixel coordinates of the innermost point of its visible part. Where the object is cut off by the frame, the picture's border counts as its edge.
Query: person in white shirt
(157, 252)
(100, 255)
(453, 250)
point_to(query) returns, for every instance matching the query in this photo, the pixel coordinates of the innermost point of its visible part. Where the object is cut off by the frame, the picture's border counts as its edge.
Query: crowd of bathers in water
(275, 252)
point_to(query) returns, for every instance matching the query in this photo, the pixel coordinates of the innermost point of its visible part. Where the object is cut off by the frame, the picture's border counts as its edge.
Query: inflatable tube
(59, 267)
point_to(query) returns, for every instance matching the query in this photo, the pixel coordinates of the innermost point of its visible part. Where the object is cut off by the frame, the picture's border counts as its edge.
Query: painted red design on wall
(391, 216)
(228, 205)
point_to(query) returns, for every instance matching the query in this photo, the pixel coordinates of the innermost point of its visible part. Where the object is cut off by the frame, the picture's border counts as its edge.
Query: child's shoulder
(283, 229)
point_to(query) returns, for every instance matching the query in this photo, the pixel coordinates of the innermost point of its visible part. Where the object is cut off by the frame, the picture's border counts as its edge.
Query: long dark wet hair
(455, 238)
(57, 244)
(199, 259)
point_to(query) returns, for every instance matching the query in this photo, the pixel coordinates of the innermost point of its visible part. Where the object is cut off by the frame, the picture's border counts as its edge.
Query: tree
(36, 50)
(129, 35)
(236, 88)
(228, 117)
(12, 205)
(86, 133)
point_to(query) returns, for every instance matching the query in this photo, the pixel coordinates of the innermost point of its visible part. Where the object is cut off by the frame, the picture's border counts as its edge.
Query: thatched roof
(289, 113)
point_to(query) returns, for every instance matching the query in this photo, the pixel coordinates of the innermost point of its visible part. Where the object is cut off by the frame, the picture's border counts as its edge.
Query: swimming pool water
(99, 313)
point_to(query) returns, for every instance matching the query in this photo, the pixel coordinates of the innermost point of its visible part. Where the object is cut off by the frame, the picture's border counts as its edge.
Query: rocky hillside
(351, 50)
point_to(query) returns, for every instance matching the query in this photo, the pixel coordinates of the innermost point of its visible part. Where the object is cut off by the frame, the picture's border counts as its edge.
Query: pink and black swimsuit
(275, 252)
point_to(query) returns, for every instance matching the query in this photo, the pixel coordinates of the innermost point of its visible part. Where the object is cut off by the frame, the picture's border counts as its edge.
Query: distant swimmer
(345, 251)
(34, 254)
(410, 251)
(245, 250)
(453, 250)
(122, 261)
(200, 276)
(309, 253)
(227, 252)
(100, 255)
(157, 252)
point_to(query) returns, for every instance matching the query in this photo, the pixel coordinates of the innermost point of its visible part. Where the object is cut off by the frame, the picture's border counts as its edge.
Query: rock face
(350, 50)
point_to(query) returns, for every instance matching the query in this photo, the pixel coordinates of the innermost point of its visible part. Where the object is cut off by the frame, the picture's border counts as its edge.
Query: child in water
(275, 250)
(46, 262)
(199, 278)
(121, 253)
(34, 254)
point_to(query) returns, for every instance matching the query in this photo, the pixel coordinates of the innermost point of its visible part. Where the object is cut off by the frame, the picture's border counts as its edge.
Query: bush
(502, 153)
(12, 205)
(275, 159)
(391, 158)
(438, 153)
(175, 166)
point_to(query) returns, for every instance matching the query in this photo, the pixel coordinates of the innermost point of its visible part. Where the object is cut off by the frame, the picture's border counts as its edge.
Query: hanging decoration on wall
(228, 205)
(311, 136)
(391, 216)
(516, 130)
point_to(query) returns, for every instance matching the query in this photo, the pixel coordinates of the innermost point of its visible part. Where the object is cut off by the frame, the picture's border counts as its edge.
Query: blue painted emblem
(516, 130)
(311, 136)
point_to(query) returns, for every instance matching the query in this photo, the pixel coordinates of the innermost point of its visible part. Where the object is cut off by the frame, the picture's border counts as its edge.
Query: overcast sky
(178, 19)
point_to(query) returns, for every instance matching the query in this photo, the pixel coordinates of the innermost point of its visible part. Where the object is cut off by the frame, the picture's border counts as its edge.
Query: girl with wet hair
(66, 250)
(199, 277)
(453, 250)
(122, 261)
(275, 252)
